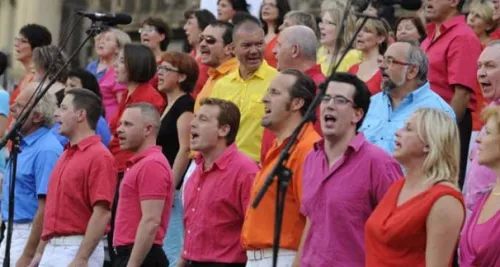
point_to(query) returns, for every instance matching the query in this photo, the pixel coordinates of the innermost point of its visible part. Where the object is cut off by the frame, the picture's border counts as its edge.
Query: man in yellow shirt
(248, 84)
(216, 52)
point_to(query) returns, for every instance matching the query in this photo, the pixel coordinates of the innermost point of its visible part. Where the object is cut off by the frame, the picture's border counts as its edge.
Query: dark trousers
(112, 255)
(214, 264)
(465, 131)
(155, 258)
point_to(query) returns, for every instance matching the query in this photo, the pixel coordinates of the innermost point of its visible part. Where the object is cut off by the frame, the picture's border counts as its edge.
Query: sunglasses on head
(209, 39)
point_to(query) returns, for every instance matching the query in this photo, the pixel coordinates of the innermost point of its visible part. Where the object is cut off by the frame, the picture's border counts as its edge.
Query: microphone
(405, 4)
(116, 19)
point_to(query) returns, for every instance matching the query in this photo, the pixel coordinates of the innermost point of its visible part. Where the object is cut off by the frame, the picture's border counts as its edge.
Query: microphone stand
(280, 170)
(15, 136)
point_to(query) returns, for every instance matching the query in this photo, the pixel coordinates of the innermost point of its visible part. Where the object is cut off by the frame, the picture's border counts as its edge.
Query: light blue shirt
(4, 111)
(39, 153)
(102, 129)
(92, 68)
(382, 122)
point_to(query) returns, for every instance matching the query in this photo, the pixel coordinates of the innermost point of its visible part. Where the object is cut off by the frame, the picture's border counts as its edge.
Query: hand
(36, 260)
(78, 262)
(24, 261)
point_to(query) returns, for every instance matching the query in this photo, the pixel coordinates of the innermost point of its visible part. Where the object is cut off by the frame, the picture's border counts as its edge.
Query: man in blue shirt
(40, 151)
(405, 89)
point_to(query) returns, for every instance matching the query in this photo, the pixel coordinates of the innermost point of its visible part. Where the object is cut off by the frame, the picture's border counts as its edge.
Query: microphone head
(122, 19)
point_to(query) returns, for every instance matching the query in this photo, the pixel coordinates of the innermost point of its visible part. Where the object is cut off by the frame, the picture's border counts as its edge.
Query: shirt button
(199, 189)
(189, 231)
(185, 252)
(193, 209)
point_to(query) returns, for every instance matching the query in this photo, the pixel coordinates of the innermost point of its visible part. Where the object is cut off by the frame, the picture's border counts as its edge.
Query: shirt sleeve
(154, 181)
(44, 165)
(4, 103)
(462, 63)
(307, 163)
(383, 176)
(102, 179)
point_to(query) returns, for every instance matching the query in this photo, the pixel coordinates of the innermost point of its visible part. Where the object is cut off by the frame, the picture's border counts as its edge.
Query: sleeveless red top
(397, 236)
(374, 84)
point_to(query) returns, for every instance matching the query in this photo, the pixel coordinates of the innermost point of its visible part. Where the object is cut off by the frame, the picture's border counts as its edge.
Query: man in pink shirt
(146, 191)
(479, 178)
(345, 177)
(217, 194)
(453, 50)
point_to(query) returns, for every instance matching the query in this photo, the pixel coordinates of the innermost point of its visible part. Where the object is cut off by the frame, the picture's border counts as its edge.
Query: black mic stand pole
(15, 136)
(280, 170)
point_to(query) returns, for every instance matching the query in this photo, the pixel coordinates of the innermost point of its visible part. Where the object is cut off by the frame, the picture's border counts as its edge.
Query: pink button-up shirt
(215, 206)
(109, 89)
(339, 200)
(453, 58)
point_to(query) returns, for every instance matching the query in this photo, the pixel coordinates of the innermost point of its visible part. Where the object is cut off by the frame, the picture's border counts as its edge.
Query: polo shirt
(382, 121)
(215, 204)
(84, 175)
(40, 151)
(258, 229)
(453, 58)
(339, 200)
(247, 95)
(148, 177)
(143, 93)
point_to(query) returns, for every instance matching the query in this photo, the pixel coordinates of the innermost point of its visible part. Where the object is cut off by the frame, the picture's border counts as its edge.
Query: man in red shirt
(81, 188)
(146, 191)
(296, 49)
(453, 50)
(217, 194)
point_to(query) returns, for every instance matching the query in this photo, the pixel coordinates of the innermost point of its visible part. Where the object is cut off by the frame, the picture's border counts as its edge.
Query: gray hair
(46, 106)
(149, 113)
(417, 57)
(50, 60)
(122, 38)
(303, 18)
(304, 37)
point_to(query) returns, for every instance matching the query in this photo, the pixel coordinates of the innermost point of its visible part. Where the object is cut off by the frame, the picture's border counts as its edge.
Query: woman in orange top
(418, 221)
(272, 13)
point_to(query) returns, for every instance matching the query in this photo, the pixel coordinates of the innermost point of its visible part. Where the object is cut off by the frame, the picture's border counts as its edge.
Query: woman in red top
(418, 221)
(272, 13)
(155, 33)
(372, 41)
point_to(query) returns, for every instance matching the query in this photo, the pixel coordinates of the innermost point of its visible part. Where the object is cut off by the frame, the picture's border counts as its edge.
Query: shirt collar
(146, 152)
(34, 136)
(83, 144)
(425, 88)
(308, 127)
(224, 68)
(446, 26)
(223, 160)
(140, 90)
(261, 72)
(355, 144)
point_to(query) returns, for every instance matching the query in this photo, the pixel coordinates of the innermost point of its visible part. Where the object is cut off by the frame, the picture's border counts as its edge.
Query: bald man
(40, 151)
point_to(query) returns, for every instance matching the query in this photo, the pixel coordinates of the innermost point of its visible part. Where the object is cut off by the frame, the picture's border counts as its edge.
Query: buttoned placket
(197, 191)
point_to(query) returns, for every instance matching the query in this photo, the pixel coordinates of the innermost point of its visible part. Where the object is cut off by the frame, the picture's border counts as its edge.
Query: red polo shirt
(268, 137)
(216, 201)
(84, 175)
(453, 58)
(143, 93)
(148, 177)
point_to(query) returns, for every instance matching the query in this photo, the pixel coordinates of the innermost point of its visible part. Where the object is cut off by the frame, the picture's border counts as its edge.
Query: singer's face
(496, 5)
(437, 10)
(249, 47)
(488, 144)
(328, 30)
(132, 130)
(367, 39)
(408, 144)
(278, 105)
(212, 48)
(284, 51)
(394, 74)
(21, 102)
(407, 31)
(168, 77)
(68, 116)
(477, 23)
(205, 129)
(22, 48)
(269, 10)
(192, 30)
(225, 10)
(121, 69)
(488, 72)
(151, 37)
(108, 45)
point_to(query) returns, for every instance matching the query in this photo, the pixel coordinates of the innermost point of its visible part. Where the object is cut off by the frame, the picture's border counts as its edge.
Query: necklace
(495, 194)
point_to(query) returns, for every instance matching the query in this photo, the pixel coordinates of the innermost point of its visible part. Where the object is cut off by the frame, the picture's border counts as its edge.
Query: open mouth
(329, 120)
(145, 40)
(267, 110)
(194, 136)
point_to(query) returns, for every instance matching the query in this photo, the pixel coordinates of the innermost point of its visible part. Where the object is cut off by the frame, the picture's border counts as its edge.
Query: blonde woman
(418, 221)
(480, 19)
(331, 19)
(480, 240)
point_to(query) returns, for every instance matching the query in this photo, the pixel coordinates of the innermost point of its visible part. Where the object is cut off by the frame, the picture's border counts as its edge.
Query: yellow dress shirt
(353, 56)
(247, 95)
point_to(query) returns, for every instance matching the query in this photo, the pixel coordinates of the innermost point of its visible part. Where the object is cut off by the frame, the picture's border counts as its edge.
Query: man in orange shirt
(216, 52)
(286, 101)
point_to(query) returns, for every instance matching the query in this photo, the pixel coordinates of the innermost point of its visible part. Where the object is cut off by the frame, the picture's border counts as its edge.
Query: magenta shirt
(148, 177)
(453, 58)
(339, 200)
(480, 243)
(215, 205)
(479, 177)
(109, 89)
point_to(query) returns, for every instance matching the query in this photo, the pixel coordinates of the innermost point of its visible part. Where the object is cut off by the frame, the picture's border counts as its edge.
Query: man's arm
(460, 101)
(34, 237)
(94, 232)
(152, 211)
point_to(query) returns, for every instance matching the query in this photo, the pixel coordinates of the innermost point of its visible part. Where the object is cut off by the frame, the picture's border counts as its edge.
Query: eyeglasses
(209, 39)
(147, 30)
(167, 69)
(388, 61)
(337, 100)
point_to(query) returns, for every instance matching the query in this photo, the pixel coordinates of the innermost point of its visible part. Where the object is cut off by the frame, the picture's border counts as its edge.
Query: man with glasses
(346, 178)
(405, 89)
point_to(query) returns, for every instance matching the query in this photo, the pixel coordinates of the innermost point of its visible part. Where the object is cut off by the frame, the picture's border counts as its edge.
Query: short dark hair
(4, 62)
(361, 95)
(162, 28)
(229, 114)
(417, 22)
(203, 16)
(187, 65)
(303, 87)
(89, 81)
(240, 16)
(238, 5)
(247, 23)
(36, 34)
(88, 101)
(283, 8)
(227, 36)
(140, 62)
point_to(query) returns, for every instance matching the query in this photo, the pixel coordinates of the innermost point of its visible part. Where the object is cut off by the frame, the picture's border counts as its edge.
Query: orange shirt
(24, 80)
(269, 53)
(215, 74)
(258, 228)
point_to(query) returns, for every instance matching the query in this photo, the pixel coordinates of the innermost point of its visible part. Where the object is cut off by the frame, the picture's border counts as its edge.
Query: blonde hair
(491, 112)
(122, 38)
(485, 10)
(375, 26)
(336, 11)
(440, 132)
